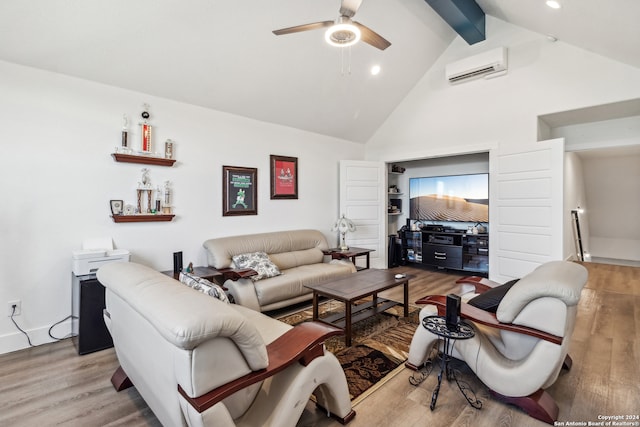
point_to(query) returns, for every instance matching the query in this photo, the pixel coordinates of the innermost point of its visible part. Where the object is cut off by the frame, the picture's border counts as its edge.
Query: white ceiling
(222, 54)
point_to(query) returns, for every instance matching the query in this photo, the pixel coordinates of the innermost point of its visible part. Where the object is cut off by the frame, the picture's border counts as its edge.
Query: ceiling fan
(343, 31)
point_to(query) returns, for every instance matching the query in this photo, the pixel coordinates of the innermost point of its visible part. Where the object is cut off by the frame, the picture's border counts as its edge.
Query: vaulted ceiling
(223, 54)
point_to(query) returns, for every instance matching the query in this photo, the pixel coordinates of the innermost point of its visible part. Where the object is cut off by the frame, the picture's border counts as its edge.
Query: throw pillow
(258, 261)
(204, 286)
(490, 300)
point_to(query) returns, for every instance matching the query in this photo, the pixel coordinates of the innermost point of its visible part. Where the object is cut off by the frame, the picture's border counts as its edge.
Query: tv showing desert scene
(454, 198)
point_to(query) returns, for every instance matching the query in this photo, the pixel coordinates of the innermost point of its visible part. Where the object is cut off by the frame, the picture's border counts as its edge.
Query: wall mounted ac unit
(484, 64)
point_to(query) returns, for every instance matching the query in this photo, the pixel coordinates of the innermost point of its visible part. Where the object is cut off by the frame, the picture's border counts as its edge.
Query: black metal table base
(437, 325)
(451, 374)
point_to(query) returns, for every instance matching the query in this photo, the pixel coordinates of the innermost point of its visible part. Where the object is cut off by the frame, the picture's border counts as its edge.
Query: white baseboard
(18, 341)
(614, 261)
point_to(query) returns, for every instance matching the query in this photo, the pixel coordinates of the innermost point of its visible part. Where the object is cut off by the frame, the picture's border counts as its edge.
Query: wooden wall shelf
(142, 218)
(146, 160)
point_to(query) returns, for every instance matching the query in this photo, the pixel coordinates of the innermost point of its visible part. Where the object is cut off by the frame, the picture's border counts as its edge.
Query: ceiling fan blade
(371, 37)
(304, 27)
(349, 8)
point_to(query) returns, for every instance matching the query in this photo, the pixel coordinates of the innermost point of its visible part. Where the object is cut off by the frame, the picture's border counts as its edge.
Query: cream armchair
(199, 361)
(519, 350)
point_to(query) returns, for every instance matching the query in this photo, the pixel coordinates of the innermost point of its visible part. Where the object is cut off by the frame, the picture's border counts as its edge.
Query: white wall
(608, 155)
(620, 132)
(57, 134)
(437, 118)
(613, 197)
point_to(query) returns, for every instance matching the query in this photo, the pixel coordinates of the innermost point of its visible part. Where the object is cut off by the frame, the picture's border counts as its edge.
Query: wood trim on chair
(120, 380)
(342, 420)
(301, 344)
(412, 366)
(539, 405)
(568, 363)
(482, 284)
(486, 318)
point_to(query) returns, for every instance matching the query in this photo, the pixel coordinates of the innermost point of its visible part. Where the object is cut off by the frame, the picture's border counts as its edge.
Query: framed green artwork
(239, 191)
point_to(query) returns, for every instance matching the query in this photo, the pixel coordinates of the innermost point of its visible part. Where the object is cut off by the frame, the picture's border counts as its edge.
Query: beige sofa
(298, 254)
(199, 361)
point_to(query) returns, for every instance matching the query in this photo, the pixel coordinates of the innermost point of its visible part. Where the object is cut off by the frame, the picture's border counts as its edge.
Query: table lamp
(343, 224)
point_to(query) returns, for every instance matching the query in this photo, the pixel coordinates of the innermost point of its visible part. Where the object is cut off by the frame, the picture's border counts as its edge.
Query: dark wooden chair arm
(486, 318)
(482, 284)
(301, 344)
(236, 274)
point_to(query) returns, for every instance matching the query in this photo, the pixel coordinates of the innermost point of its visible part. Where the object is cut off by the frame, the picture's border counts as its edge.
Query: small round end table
(462, 331)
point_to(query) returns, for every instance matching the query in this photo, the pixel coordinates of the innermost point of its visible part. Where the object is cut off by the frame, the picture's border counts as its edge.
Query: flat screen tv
(453, 198)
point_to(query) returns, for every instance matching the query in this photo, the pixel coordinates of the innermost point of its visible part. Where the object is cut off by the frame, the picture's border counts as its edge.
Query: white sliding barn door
(526, 202)
(363, 200)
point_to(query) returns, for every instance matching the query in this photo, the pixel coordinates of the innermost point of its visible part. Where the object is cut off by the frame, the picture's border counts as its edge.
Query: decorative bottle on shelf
(125, 133)
(168, 149)
(158, 200)
(166, 207)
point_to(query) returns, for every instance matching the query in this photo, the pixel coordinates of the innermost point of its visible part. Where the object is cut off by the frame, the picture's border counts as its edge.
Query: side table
(352, 253)
(209, 273)
(437, 325)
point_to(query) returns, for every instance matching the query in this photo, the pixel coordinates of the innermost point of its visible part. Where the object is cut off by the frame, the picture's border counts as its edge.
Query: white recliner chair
(199, 361)
(518, 350)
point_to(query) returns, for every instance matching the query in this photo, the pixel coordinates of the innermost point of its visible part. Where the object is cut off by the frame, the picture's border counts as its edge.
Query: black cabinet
(442, 249)
(87, 324)
(446, 256)
(412, 246)
(452, 249)
(475, 251)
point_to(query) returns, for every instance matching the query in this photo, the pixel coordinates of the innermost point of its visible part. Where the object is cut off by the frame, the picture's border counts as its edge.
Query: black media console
(452, 249)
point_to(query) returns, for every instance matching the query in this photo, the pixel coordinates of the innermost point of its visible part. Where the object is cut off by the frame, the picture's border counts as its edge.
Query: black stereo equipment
(441, 239)
(452, 315)
(432, 227)
(177, 262)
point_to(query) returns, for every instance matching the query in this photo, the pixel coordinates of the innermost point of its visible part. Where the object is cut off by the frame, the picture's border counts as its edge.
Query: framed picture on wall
(284, 177)
(239, 191)
(116, 207)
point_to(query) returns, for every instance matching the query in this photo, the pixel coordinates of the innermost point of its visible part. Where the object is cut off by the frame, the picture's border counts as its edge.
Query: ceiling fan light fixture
(343, 35)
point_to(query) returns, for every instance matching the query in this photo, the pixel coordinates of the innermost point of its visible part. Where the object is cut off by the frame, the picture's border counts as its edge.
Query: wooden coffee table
(354, 287)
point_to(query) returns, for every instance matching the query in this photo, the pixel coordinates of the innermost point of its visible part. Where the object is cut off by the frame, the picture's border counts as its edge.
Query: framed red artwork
(284, 177)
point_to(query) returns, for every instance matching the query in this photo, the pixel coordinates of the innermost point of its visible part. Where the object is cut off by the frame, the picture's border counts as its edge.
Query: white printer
(94, 254)
(88, 261)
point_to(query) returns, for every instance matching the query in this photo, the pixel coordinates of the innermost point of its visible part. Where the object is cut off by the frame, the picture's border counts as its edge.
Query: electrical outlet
(18, 305)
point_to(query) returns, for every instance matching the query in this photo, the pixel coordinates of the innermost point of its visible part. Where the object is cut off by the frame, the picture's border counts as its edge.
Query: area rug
(380, 346)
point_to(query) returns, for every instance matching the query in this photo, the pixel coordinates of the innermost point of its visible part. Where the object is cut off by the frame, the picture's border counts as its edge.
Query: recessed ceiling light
(553, 4)
(375, 70)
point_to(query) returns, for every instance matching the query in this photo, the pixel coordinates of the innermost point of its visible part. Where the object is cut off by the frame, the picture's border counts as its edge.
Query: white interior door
(525, 210)
(363, 200)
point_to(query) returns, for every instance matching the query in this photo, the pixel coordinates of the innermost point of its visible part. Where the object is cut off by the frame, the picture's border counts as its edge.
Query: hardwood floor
(51, 385)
